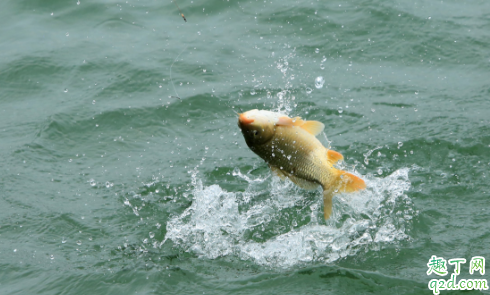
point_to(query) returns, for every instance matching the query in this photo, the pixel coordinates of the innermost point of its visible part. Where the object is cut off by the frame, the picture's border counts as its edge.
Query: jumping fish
(290, 147)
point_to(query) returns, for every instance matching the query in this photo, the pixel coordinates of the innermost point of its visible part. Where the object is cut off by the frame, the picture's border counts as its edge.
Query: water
(123, 170)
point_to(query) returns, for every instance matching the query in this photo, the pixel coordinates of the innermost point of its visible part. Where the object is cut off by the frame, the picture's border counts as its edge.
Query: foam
(254, 225)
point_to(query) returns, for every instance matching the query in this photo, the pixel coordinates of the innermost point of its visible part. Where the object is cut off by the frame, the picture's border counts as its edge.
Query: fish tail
(345, 182)
(349, 183)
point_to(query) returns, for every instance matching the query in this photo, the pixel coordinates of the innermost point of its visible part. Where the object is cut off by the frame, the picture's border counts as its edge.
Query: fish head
(258, 127)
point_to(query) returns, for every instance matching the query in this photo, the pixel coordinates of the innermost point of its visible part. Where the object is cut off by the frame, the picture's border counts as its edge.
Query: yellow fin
(327, 203)
(286, 121)
(349, 182)
(313, 127)
(333, 156)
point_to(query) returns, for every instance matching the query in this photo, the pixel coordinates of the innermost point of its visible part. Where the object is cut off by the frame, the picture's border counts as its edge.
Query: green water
(110, 184)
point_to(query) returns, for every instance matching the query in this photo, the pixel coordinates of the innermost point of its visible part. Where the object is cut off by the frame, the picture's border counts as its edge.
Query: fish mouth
(242, 119)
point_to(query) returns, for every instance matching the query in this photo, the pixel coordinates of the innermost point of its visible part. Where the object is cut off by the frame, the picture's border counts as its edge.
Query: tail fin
(347, 182)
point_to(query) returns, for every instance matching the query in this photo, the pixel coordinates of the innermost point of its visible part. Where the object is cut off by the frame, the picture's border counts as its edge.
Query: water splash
(319, 81)
(280, 225)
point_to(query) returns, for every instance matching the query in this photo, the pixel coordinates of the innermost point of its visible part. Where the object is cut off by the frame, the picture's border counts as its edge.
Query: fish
(290, 147)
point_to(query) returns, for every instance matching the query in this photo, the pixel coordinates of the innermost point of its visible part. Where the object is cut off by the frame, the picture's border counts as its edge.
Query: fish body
(290, 147)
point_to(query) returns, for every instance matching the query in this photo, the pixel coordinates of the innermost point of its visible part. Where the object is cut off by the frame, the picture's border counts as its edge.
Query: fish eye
(256, 132)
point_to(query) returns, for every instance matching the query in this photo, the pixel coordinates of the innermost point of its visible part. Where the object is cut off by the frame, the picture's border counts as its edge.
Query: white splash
(255, 225)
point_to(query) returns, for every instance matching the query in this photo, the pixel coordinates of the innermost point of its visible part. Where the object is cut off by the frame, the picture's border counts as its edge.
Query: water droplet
(340, 110)
(373, 110)
(66, 90)
(78, 2)
(199, 33)
(52, 13)
(67, 34)
(15, 250)
(79, 242)
(253, 92)
(92, 182)
(152, 235)
(308, 90)
(204, 70)
(317, 50)
(380, 171)
(319, 81)
(51, 257)
(63, 240)
(269, 95)
(400, 144)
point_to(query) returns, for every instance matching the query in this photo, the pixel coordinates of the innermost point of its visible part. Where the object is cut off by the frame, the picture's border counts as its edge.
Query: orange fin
(312, 127)
(333, 156)
(350, 183)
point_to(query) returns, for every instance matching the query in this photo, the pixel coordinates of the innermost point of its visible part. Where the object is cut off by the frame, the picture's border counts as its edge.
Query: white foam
(253, 225)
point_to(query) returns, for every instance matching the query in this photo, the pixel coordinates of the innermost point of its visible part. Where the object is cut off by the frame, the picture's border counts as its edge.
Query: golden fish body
(291, 149)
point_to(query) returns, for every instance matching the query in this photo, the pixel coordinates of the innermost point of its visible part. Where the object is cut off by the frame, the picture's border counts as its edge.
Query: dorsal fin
(333, 156)
(286, 121)
(312, 127)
